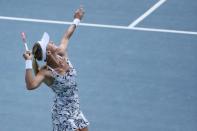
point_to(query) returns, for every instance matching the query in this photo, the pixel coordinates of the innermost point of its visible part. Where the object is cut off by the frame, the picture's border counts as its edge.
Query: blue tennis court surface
(129, 80)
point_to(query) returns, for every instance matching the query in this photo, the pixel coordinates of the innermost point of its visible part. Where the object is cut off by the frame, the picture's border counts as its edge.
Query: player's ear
(48, 52)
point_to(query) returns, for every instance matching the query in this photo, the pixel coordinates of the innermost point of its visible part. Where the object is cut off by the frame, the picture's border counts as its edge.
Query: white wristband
(28, 64)
(76, 21)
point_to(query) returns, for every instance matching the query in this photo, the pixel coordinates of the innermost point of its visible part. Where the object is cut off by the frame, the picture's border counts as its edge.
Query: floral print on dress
(66, 113)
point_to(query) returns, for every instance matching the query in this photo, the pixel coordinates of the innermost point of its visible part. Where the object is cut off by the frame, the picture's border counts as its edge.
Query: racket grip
(26, 47)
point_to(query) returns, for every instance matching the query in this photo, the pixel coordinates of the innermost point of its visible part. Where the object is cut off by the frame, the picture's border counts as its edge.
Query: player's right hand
(27, 55)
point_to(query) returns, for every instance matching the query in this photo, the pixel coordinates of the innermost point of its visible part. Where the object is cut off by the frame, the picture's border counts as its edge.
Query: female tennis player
(60, 76)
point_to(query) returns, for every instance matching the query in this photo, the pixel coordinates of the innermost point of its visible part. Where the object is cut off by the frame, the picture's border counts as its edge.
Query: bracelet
(28, 64)
(76, 21)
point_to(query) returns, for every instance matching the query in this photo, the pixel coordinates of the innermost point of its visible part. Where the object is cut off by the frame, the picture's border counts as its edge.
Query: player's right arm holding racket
(31, 81)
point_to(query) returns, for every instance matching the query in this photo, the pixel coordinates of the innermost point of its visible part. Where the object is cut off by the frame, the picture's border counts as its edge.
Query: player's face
(51, 47)
(51, 53)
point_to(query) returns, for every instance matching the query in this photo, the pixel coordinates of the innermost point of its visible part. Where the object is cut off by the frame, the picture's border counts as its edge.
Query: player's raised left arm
(78, 15)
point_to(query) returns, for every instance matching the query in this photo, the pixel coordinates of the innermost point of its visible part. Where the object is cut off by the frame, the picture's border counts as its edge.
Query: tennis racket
(24, 41)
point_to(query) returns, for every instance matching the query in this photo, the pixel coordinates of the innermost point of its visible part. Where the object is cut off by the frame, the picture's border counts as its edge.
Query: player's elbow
(31, 86)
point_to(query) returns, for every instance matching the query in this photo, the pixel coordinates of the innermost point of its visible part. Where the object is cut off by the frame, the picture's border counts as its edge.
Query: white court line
(147, 13)
(34, 20)
(98, 25)
(164, 30)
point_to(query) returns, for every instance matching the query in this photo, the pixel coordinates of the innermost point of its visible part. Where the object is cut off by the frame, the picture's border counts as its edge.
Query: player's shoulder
(45, 71)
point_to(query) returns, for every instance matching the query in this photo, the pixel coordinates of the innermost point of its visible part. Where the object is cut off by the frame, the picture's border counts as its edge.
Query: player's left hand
(79, 13)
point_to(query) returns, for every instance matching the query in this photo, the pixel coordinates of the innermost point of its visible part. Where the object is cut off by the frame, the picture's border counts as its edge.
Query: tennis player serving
(58, 74)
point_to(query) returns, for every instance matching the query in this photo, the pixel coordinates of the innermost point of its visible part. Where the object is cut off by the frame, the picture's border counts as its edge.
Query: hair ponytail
(37, 52)
(35, 66)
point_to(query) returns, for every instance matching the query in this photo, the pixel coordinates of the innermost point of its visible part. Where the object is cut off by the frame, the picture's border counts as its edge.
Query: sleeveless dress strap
(50, 68)
(54, 73)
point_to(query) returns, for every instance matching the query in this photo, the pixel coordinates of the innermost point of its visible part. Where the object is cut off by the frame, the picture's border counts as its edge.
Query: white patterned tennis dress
(66, 113)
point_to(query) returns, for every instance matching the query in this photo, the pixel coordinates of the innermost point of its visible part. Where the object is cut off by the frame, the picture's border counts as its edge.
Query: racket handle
(26, 47)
